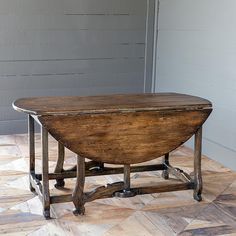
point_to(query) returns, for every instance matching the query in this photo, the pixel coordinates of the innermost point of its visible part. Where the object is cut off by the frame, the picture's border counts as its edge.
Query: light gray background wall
(69, 47)
(197, 55)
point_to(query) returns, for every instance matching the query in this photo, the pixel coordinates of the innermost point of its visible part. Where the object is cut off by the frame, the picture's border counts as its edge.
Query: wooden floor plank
(172, 213)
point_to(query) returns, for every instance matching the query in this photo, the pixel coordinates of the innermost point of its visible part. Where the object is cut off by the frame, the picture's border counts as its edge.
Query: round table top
(109, 103)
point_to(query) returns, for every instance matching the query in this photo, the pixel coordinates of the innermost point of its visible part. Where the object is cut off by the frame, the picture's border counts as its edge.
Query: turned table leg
(165, 172)
(197, 165)
(126, 192)
(45, 178)
(78, 194)
(60, 183)
(31, 140)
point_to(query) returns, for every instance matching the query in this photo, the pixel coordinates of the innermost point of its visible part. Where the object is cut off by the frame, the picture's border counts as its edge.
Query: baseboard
(215, 151)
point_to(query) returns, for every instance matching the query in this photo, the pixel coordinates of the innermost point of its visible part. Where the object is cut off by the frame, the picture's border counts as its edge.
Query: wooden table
(113, 129)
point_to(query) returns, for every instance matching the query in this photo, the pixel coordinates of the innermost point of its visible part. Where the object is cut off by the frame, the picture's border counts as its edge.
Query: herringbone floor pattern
(174, 213)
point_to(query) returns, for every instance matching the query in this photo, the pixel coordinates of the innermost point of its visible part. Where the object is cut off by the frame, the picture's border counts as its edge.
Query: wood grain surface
(119, 129)
(124, 138)
(109, 103)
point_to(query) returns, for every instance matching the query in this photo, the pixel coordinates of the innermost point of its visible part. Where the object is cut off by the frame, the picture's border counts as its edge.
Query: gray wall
(69, 47)
(197, 55)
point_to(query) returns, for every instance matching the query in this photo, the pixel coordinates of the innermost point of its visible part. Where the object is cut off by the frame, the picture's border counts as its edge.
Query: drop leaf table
(113, 129)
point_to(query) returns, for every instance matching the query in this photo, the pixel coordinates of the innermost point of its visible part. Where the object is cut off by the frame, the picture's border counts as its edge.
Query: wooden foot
(197, 165)
(46, 214)
(79, 211)
(165, 172)
(60, 183)
(78, 193)
(197, 196)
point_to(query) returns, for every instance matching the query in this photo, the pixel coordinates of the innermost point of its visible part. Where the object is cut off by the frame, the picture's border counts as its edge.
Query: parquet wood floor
(174, 213)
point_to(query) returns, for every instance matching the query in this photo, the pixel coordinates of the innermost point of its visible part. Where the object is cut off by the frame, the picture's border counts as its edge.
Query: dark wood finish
(96, 171)
(78, 193)
(127, 177)
(31, 141)
(178, 173)
(45, 179)
(111, 189)
(131, 126)
(163, 188)
(109, 104)
(120, 170)
(197, 165)
(59, 166)
(136, 137)
(126, 192)
(165, 172)
(104, 191)
(115, 129)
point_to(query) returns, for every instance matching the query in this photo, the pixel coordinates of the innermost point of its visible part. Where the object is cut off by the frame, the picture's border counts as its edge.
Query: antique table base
(39, 183)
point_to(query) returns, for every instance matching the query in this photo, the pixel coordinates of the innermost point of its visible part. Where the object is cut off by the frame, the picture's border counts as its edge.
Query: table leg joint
(179, 173)
(165, 162)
